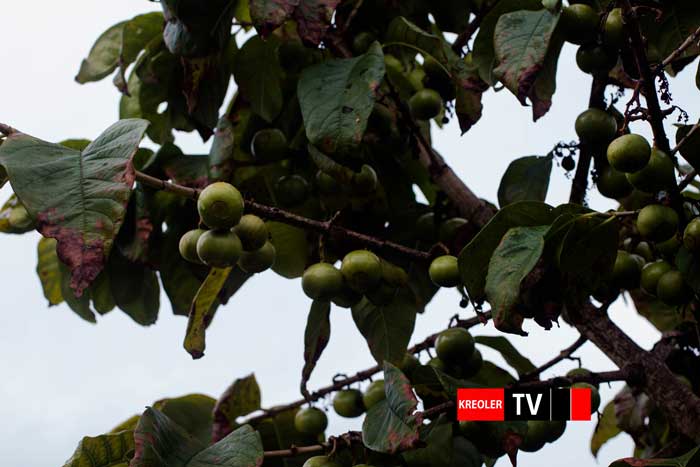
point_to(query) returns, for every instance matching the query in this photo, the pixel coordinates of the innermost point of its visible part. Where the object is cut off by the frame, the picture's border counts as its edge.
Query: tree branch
(692, 39)
(685, 139)
(563, 355)
(464, 36)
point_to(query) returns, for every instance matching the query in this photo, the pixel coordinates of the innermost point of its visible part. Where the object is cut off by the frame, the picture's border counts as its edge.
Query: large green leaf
(438, 448)
(510, 354)
(512, 261)
(78, 198)
(108, 450)
(525, 179)
(193, 412)
(337, 97)
(606, 429)
(48, 269)
(680, 19)
(160, 442)
(258, 74)
(202, 311)
(393, 423)
(239, 399)
(242, 448)
(135, 289)
(316, 337)
(387, 328)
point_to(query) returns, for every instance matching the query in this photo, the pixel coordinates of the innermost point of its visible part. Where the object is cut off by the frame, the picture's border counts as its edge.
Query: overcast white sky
(63, 378)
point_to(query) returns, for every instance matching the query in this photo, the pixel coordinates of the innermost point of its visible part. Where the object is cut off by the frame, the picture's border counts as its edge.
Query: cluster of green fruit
(456, 354)
(233, 238)
(431, 84)
(362, 273)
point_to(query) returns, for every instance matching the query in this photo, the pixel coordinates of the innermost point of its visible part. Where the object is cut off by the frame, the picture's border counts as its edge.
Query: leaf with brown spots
(268, 15)
(202, 311)
(78, 198)
(241, 398)
(313, 18)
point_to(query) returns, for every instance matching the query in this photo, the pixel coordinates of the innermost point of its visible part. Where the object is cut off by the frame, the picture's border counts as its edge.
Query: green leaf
(192, 412)
(689, 459)
(690, 150)
(242, 448)
(49, 271)
(393, 423)
(77, 198)
(316, 337)
(108, 450)
(492, 376)
(525, 179)
(337, 97)
(240, 398)
(465, 454)
(135, 289)
(664, 35)
(258, 74)
(160, 442)
(80, 305)
(606, 429)
(388, 328)
(103, 58)
(521, 42)
(292, 249)
(202, 312)
(438, 448)
(512, 261)
(222, 151)
(402, 31)
(509, 353)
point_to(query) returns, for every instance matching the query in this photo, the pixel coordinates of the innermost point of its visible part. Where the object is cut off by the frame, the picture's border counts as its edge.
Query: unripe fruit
(596, 127)
(669, 247)
(436, 78)
(320, 461)
(220, 205)
(364, 181)
(252, 231)
(439, 364)
(629, 153)
(691, 235)
(651, 273)
(658, 174)
(425, 227)
(219, 248)
(579, 372)
(392, 64)
(269, 145)
(425, 104)
(613, 184)
(656, 222)
(19, 218)
(592, 58)
(375, 393)
(362, 270)
(408, 364)
(291, 190)
(311, 421)
(362, 41)
(326, 183)
(321, 281)
(470, 429)
(259, 260)
(444, 271)
(393, 275)
(644, 250)
(472, 366)
(613, 32)
(540, 432)
(626, 271)
(188, 245)
(449, 229)
(347, 297)
(672, 289)
(595, 395)
(348, 403)
(580, 23)
(454, 345)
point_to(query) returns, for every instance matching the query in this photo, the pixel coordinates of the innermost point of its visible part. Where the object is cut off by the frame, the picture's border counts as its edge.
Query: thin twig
(687, 179)
(685, 139)
(563, 355)
(624, 374)
(692, 39)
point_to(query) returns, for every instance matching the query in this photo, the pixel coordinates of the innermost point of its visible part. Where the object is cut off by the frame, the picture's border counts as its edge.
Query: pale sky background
(63, 378)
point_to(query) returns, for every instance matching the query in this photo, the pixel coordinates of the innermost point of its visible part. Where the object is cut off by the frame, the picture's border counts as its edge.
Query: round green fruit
(291, 190)
(326, 183)
(472, 366)
(425, 104)
(220, 205)
(669, 247)
(362, 270)
(595, 395)
(322, 281)
(592, 58)
(252, 231)
(613, 30)
(259, 260)
(596, 127)
(651, 273)
(454, 345)
(691, 235)
(657, 223)
(374, 394)
(408, 364)
(671, 289)
(362, 41)
(659, 174)
(269, 145)
(644, 250)
(392, 64)
(320, 461)
(365, 181)
(629, 153)
(444, 271)
(393, 275)
(311, 421)
(348, 403)
(425, 227)
(613, 184)
(579, 23)
(450, 228)
(626, 271)
(579, 372)
(540, 432)
(347, 297)
(219, 248)
(188, 245)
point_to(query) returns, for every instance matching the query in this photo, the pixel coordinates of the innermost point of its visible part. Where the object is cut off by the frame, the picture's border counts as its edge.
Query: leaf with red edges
(313, 18)
(268, 15)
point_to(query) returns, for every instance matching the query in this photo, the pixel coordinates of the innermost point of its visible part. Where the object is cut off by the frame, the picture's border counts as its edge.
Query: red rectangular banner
(480, 404)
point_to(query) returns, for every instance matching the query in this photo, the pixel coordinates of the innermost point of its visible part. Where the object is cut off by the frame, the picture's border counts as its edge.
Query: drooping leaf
(291, 247)
(241, 398)
(108, 450)
(393, 423)
(160, 442)
(316, 337)
(525, 179)
(258, 74)
(222, 151)
(689, 459)
(135, 289)
(606, 429)
(80, 305)
(78, 198)
(49, 271)
(201, 312)
(242, 448)
(510, 354)
(103, 58)
(337, 97)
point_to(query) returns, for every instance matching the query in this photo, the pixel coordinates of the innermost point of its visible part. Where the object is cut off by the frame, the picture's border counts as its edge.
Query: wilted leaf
(49, 271)
(241, 398)
(606, 429)
(525, 179)
(316, 337)
(202, 313)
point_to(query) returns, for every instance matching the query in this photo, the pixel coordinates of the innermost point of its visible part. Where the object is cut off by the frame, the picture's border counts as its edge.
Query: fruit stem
(563, 355)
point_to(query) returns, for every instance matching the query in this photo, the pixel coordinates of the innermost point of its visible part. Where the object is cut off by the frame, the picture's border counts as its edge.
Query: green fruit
(626, 271)
(259, 260)
(321, 281)
(392, 64)
(326, 183)
(393, 274)
(365, 181)
(472, 366)
(657, 223)
(629, 153)
(219, 248)
(444, 271)
(439, 364)
(348, 403)
(347, 297)
(381, 119)
(578, 372)
(252, 231)
(320, 461)
(188, 245)
(408, 364)
(596, 127)
(220, 205)
(362, 270)
(269, 145)
(454, 345)
(425, 104)
(438, 79)
(311, 421)
(579, 23)
(644, 250)
(375, 393)
(691, 235)
(450, 228)
(639, 259)
(613, 30)
(362, 41)
(291, 190)
(669, 247)
(595, 395)
(659, 174)
(592, 58)
(613, 184)
(19, 218)
(651, 273)
(671, 288)
(425, 227)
